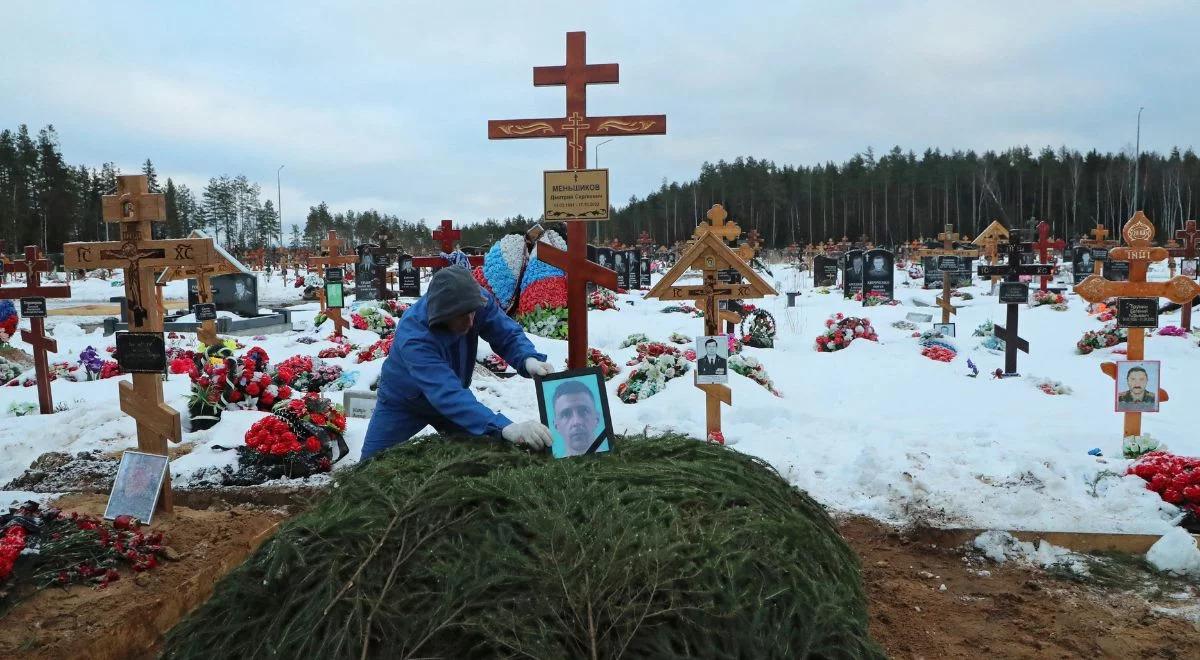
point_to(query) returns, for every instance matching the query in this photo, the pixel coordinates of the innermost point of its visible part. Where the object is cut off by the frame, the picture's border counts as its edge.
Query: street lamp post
(279, 204)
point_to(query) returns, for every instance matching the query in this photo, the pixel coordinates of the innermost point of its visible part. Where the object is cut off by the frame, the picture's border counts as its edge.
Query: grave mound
(665, 547)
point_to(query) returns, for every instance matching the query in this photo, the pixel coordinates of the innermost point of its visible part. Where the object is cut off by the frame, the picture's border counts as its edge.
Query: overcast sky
(385, 105)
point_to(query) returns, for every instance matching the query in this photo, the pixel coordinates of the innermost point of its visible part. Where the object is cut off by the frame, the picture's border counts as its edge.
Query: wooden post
(709, 254)
(948, 238)
(332, 246)
(1188, 237)
(576, 126)
(139, 256)
(33, 265)
(1140, 253)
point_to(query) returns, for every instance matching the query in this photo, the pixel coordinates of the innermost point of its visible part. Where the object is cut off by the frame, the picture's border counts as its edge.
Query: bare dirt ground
(990, 610)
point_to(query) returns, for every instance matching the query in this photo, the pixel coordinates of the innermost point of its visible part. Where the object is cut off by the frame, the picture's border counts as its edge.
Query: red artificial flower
(312, 444)
(319, 419)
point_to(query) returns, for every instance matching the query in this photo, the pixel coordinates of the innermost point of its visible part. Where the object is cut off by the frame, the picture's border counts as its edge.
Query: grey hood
(452, 292)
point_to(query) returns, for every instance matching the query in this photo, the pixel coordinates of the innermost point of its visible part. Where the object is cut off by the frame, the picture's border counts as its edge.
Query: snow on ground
(876, 429)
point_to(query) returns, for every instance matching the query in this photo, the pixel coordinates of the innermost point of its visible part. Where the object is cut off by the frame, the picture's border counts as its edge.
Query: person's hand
(535, 367)
(532, 434)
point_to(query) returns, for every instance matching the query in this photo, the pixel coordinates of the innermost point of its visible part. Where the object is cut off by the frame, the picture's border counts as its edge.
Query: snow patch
(1175, 552)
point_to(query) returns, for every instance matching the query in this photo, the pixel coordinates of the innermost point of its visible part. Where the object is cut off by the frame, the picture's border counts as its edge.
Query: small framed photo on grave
(712, 360)
(137, 486)
(944, 329)
(334, 295)
(574, 406)
(1136, 386)
(1188, 267)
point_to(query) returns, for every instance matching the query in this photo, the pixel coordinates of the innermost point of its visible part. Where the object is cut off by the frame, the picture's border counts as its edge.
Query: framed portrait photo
(1136, 386)
(574, 406)
(1188, 267)
(137, 486)
(712, 360)
(944, 329)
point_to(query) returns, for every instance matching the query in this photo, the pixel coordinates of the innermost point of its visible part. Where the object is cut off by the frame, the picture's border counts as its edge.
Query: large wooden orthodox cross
(222, 264)
(33, 265)
(1013, 293)
(576, 126)
(1043, 247)
(710, 255)
(447, 236)
(135, 208)
(989, 241)
(1140, 252)
(948, 239)
(333, 257)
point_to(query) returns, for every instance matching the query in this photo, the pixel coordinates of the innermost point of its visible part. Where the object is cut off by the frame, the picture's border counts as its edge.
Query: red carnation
(312, 444)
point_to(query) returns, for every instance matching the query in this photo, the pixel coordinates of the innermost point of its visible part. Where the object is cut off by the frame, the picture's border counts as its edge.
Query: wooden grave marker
(448, 237)
(139, 256)
(576, 126)
(223, 264)
(1043, 247)
(989, 241)
(1013, 294)
(333, 258)
(1139, 251)
(948, 238)
(710, 255)
(33, 265)
(1188, 236)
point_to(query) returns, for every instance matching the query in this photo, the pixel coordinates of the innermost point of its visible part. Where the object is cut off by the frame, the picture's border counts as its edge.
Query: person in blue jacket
(426, 377)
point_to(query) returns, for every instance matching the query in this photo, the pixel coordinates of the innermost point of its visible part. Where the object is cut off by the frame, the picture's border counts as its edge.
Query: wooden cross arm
(162, 419)
(1110, 369)
(717, 391)
(13, 293)
(506, 129)
(175, 252)
(33, 339)
(1002, 333)
(545, 76)
(1138, 253)
(581, 268)
(1178, 289)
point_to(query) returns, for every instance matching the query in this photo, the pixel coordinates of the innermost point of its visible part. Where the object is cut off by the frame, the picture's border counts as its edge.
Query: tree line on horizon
(891, 198)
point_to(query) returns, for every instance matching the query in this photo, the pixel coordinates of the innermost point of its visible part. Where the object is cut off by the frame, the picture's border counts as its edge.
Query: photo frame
(944, 329)
(1188, 267)
(712, 360)
(137, 486)
(573, 404)
(1135, 389)
(335, 295)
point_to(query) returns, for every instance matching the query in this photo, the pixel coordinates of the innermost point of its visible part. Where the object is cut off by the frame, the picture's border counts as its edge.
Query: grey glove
(531, 433)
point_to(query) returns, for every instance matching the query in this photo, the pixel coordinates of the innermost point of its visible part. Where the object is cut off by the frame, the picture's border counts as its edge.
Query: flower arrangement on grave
(8, 321)
(369, 317)
(841, 330)
(762, 329)
(1051, 386)
(608, 366)
(1136, 446)
(1056, 301)
(96, 367)
(1175, 478)
(683, 308)
(59, 550)
(1172, 331)
(395, 307)
(735, 344)
(296, 440)
(1108, 336)
(634, 339)
(938, 350)
(754, 370)
(690, 354)
(549, 322)
(656, 364)
(497, 365)
(290, 371)
(542, 307)
(965, 295)
(376, 351)
(904, 325)
(601, 299)
(501, 266)
(340, 349)
(716, 437)
(9, 371)
(679, 338)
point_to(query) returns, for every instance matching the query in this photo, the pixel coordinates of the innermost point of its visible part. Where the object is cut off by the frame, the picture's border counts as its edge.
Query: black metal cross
(1013, 292)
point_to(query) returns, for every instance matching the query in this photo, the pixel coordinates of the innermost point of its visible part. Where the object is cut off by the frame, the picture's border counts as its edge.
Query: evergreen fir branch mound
(665, 547)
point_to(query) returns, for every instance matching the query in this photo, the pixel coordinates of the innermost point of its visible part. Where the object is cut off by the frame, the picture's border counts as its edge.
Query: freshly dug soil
(128, 618)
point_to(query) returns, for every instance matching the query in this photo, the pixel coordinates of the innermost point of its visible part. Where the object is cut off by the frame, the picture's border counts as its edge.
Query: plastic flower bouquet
(373, 319)
(1056, 301)
(754, 370)
(1107, 337)
(841, 330)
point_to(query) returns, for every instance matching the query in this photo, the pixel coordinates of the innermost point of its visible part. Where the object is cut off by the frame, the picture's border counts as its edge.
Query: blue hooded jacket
(426, 377)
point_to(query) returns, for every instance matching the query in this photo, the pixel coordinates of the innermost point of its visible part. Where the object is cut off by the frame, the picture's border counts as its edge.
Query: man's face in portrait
(575, 418)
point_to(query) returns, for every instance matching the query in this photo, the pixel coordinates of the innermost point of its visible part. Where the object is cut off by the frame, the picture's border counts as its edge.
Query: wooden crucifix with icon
(949, 262)
(334, 261)
(32, 298)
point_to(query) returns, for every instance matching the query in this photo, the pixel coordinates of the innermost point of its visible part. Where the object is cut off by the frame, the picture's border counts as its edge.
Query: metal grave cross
(710, 255)
(33, 265)
(576, 126)
(1013, 293)
(1140, 252)
(948, 238)
(135, 208)
(1043, 247)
